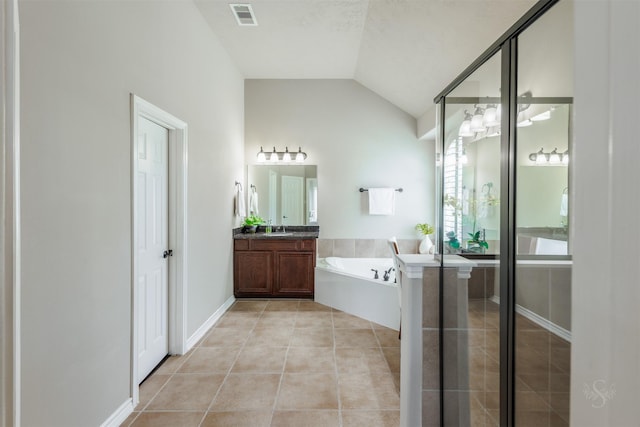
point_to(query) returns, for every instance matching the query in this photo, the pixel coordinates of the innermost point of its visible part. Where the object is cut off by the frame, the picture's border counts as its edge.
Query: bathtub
(348, 284)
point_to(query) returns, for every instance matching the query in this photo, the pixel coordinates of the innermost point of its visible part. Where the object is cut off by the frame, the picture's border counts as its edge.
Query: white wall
(357, 139)
(606, 288)
(80, 61)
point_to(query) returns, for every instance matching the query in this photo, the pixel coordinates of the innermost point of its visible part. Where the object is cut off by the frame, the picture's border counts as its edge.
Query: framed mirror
(286, 194)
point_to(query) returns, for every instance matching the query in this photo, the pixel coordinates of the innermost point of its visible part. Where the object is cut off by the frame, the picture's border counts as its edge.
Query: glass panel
(543, 261)
(471, 226)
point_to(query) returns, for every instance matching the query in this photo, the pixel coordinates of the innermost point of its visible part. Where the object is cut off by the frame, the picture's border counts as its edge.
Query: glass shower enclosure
(504, 159)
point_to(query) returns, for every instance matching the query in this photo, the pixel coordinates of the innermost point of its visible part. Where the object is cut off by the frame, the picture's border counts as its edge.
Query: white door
(152, 227)
(292, 191)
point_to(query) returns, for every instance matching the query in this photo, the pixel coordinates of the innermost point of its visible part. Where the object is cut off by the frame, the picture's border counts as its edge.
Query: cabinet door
(294, 274)
(253, 273)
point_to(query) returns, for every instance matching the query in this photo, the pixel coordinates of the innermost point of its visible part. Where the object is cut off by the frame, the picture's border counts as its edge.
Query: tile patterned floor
(279, 363)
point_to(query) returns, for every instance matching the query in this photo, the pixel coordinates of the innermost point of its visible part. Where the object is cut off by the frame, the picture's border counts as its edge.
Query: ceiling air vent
(243, 14)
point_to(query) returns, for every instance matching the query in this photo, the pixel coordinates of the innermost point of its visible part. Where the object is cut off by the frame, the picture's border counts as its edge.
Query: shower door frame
(507, 45)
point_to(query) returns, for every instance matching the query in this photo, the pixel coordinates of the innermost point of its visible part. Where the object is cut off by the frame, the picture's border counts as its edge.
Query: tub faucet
(387, 274)
(376, 273)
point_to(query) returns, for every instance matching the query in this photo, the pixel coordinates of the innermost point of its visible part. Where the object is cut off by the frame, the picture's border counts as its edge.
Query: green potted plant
(425, 244)
(251, 223)
(477, 244)
(453, 243)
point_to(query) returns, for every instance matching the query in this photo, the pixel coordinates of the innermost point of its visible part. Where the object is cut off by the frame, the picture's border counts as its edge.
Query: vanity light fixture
(261, 157)
(465, 127)
(491, 116)
(554, 158)
(477, 121)
(281, 156)
(286, 157)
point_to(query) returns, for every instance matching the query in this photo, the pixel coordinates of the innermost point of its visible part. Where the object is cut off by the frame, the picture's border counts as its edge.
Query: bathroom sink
(278, 234)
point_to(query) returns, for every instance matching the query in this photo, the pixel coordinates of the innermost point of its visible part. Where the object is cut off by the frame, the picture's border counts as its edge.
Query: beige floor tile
(282, 305)
(187, 392)
(277, 319)
(248, 306)
(209, 360)
(370, 418)
(313, 306)
(362, 338)
(260, 360)
(368, 391)
(237, 419)
(238, 319)
(328, 418)
(270, 337)
(168, 419)
(150, 387)
(310, 359)
(130, 419)
(226, 337)
(246, 392)
(387, 337)
(360, 360)
(171, 365)
(392, 355)
(344, 320)
(314, 319)
(307, 391)
(312, 337)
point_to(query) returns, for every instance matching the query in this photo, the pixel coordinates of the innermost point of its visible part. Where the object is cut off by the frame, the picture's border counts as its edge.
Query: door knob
(167, 253)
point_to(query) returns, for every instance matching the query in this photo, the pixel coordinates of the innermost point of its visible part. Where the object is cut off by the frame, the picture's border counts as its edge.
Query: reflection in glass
(286, 194)
(543, 263)
(471, 222)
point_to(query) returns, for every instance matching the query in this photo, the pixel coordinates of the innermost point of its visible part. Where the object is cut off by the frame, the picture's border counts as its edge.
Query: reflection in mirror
(284, 194)
(543, 181)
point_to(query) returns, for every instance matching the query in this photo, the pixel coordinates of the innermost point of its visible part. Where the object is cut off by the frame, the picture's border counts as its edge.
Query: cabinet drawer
(308, 245)
(241, 245)
(274, 245)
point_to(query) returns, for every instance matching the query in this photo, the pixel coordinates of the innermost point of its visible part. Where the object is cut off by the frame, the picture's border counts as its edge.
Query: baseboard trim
(202, 330)
(119, 415)
(539, 320)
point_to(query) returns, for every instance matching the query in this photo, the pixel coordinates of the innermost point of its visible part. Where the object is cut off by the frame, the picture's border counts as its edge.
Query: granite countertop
(292, 233)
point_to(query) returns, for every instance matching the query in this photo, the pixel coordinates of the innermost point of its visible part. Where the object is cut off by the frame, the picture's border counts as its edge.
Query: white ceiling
(407, 51)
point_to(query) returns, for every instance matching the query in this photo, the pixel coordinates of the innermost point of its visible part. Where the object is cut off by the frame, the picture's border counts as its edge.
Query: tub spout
(376, 273)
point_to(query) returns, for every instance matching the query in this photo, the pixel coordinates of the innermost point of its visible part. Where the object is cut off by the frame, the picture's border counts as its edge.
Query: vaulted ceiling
(404, 50)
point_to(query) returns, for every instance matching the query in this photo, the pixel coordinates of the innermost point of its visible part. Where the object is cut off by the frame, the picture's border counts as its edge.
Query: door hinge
(167, 253)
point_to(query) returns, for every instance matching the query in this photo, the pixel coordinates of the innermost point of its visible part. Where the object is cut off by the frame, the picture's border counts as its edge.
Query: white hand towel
(382, 201)
(564, 205)
(253, 202)
(241, 210)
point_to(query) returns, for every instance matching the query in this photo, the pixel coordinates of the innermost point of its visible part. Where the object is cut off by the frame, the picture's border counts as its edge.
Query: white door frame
(10, 262)
(177, 230)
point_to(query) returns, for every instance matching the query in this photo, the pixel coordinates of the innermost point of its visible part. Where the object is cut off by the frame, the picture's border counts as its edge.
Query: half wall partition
(503, 162)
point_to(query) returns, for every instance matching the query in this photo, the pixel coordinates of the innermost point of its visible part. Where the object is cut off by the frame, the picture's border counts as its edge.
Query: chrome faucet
(387, 274)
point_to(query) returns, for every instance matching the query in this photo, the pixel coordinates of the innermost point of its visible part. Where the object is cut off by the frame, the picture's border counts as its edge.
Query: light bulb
(565, 157)
(299, 156)
(465, 127)
(274, 156)
(541, 158)
(286, 157)
(261, 157)
(554, 157)
(477, 120)
(491, 117)
(525, 123)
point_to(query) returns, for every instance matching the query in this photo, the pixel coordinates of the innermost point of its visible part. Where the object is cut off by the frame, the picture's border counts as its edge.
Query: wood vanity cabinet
(274, 267)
